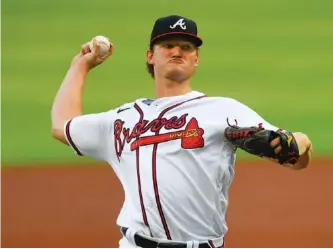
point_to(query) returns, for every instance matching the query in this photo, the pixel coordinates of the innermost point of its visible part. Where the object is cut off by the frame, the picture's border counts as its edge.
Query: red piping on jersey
(69, 138)
(157, 196)
(143, 210)
(210, 242)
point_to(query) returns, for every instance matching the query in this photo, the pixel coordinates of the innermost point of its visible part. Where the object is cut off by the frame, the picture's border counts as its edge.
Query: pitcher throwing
(174, 155)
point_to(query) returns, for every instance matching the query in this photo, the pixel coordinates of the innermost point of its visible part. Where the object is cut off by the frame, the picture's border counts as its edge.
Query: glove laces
(241, 133)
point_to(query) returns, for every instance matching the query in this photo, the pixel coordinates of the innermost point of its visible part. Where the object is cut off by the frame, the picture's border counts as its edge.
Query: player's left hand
(301, 139)
(279, 145)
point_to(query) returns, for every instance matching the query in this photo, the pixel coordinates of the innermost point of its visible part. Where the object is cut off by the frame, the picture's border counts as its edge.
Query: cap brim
(190, 37)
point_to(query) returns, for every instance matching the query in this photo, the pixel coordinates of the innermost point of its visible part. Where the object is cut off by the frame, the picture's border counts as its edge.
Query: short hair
(150, 67)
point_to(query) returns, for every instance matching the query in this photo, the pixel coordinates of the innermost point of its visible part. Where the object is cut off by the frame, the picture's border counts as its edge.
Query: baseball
(104, 43)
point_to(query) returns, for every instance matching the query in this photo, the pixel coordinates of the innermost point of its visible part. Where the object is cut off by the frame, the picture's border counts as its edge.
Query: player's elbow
(58, 133)
(55, 132)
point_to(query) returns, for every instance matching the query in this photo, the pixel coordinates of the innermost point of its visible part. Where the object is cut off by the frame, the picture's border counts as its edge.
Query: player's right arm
(68, 101)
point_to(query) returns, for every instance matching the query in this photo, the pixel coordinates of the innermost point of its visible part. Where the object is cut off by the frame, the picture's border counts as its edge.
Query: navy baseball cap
(175, 25)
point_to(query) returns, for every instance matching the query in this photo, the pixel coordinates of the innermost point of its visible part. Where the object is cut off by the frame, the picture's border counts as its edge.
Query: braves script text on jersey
(172, 159)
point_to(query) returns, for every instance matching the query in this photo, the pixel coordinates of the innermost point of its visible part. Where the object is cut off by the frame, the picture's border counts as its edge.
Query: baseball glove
(257, 141)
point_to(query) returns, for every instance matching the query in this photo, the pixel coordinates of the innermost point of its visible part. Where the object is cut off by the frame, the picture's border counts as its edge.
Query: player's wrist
(81, 66)
(303, 142)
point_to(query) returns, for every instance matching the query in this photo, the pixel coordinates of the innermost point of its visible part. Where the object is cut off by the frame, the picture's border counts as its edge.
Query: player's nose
(176, 51)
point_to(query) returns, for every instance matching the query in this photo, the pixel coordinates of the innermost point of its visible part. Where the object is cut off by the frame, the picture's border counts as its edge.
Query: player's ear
(149, 56)
(196, 62)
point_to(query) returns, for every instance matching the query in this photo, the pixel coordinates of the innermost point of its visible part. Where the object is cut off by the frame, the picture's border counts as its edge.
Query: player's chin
(177, 74)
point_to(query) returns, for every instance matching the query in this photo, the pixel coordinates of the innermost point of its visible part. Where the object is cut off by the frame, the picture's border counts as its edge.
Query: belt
(147, 243)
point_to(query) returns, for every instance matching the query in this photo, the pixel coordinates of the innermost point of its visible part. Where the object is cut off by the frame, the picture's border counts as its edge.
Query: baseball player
(174, 155)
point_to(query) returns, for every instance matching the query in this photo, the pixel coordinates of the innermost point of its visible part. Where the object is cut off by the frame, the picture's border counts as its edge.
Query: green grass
(275, 56)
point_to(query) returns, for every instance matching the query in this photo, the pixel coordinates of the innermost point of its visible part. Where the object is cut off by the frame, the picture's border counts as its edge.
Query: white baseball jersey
(172, 160)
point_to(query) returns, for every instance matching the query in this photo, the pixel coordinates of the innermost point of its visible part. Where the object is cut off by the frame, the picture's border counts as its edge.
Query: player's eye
(187, 47)
(168, 45)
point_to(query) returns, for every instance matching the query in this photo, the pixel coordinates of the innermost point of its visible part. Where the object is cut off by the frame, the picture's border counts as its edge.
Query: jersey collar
(184, 97)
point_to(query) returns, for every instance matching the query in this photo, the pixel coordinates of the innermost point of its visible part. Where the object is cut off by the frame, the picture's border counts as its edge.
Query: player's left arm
(293, 150)
(256, 136)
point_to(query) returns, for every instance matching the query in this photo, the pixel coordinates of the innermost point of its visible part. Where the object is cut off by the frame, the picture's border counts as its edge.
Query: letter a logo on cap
(179, 23)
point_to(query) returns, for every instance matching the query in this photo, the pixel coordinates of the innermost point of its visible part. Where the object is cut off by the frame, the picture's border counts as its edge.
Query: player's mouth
(176, 61)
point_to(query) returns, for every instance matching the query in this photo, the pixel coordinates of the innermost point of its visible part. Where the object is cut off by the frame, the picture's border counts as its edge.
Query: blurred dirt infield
(270, 206)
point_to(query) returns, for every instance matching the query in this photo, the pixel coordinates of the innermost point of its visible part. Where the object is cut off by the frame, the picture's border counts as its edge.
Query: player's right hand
(90, 59)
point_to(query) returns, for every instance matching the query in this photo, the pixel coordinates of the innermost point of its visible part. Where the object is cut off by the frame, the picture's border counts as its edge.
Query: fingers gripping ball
(257, 141)
(104, 45)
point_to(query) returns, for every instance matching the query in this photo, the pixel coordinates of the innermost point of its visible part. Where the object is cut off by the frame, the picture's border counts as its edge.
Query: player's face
(175, 59)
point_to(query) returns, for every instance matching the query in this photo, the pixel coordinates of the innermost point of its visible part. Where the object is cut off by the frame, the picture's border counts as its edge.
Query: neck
(168, 88)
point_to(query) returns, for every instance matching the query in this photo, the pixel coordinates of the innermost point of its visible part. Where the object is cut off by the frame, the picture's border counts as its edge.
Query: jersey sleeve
(89, 135)
(245, 116)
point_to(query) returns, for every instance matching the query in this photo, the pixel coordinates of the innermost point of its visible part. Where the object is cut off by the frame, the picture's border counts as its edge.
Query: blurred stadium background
(275, 56)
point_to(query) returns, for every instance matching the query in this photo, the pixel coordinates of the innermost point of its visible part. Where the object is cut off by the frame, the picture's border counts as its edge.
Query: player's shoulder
(124, 107)
(224, 100)
(130, 106)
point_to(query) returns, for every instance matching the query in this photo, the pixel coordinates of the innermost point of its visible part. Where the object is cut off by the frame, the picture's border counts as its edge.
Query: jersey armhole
(69, 138)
